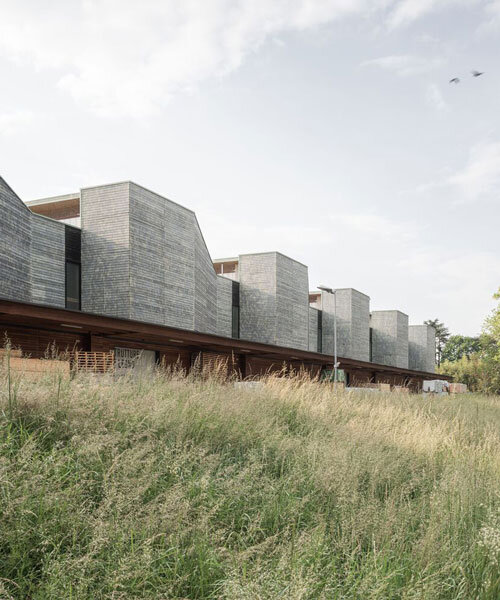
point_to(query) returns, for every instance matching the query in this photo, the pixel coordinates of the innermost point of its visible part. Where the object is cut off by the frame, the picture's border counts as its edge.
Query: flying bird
(477, 73)
(455, 80)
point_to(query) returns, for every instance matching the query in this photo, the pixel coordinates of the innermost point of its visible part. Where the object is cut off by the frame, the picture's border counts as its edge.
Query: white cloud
(123, 57)
(435, 98)
(12, 122)
(480, 178)
(407, 11)
(373, 225)
(471, 277)
(405, 64)
(492, 10)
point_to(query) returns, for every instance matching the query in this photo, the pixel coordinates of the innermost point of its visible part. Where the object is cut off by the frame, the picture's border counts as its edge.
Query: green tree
(458, 346)
(467, 369)
(442, 335)
(490, 347)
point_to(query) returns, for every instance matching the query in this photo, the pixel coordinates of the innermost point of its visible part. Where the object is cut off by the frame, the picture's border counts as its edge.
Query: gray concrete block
(422, 348)
(15, 246)
(144, 258)
(389, 338)
(224, 306)
(48, 262)
(274, 300)
(353, 323)
(313, 329)
(105, 215)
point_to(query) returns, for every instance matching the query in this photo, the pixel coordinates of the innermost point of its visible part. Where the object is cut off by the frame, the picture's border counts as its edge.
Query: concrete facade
(422, 348)
(313, 329)
(105, 250)
(274, 295)
(15, 246)
(48, 262)
(32, 253)
(144, 258)
(389, 338)
(353, 323)
(224, 306)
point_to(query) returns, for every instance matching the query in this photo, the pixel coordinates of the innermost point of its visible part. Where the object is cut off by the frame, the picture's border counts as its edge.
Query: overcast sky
(325, 129)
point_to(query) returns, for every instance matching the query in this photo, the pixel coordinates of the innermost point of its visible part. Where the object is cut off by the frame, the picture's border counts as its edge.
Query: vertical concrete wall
(258, 297)
(224, 306)
(422, 348)
(48, 261)
(328, 309)
(313, 329)
(172, 278)
(390, 338)
(353, 323)
(32, 253)
(274, 300)
(205, 285)
(292, 303)
(148, 276)
(105, 214)
(15, 246)
(144, 258)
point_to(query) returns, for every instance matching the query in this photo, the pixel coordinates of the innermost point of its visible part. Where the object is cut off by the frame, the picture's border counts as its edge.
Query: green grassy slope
(174, 489)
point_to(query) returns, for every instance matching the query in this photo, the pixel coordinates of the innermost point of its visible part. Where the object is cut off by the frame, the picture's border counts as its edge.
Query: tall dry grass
(175, 488)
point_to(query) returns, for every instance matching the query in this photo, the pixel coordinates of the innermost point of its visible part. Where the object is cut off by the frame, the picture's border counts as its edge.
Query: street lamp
(329, 290)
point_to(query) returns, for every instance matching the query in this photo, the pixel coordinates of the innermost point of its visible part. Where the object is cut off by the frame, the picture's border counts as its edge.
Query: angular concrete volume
(422, 348)
(353, 323)
(389, 338)
(144, 258)
(274, 300)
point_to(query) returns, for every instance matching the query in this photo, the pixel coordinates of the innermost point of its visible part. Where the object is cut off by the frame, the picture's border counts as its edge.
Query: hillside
(175, 489)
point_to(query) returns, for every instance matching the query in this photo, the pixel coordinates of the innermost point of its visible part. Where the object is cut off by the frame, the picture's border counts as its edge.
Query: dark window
(371, 344)
(73, 244)
(72, 285)
(320, 331)
(235, 331)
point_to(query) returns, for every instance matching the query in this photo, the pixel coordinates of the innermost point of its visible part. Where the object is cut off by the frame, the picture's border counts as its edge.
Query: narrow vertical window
(235, 312)
(320, 331)
(73, 285)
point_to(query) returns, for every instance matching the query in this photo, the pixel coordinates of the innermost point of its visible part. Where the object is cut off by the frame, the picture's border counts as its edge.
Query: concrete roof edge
(274, 252)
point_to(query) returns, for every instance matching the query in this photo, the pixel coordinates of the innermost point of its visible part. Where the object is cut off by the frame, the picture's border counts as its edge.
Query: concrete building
(422, 348)
(389, 338)
(119, 268)
(273, 298)
(353, 322)
(33, 253)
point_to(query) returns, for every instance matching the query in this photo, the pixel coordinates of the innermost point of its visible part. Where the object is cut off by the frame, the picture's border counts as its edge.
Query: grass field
(173, 489)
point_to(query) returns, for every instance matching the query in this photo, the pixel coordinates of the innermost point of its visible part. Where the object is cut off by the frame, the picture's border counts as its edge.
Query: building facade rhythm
(125, 252)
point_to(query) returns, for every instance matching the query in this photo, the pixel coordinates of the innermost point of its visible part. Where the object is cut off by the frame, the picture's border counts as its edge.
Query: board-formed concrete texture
(224, 306)
(274, 300)
(313, 329)
(15, 242)
(144, 258)
(105, 217)
(389, 338)
(32, 253)
(353, 323)
(422, 348)
(48, 261)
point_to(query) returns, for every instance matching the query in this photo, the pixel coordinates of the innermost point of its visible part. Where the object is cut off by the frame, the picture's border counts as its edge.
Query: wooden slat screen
(94, 362)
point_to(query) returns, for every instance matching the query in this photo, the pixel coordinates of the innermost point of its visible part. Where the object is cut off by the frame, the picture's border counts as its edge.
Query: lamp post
(329, 290)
